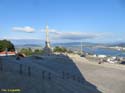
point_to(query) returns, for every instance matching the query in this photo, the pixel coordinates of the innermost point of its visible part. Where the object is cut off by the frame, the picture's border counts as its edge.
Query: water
(100, 51)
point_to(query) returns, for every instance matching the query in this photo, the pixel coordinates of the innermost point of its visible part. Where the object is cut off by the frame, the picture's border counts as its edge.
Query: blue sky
(68, 20)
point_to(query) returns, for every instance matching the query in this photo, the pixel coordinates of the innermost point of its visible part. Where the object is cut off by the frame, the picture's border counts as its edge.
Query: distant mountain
(39, 43)
(33, 45)
(121, 44)
(28, 46)
(77, 44)
(69, 44)
(27, 41)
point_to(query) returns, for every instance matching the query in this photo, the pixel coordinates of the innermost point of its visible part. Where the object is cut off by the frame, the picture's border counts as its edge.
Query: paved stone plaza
(61, 74)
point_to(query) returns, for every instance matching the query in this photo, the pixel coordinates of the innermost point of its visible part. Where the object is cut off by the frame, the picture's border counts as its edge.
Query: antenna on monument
(47, 31)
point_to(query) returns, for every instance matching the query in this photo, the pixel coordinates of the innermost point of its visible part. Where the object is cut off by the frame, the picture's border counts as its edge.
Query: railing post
(74, 78)
(63, 75)
(78, 78)
(1, 66)
(67, 75)
(43, 74)
(49, 75)
(29, 71)
(20, 69)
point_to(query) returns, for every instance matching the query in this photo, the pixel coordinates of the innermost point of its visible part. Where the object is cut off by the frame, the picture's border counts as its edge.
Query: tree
(60, 49)
(38, 51)
(6, 44)
(29, 51)
(26, 51)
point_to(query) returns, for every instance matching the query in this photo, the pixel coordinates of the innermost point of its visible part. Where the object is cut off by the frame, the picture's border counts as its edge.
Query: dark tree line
(62, 49)
(28, 51)
(5, 44)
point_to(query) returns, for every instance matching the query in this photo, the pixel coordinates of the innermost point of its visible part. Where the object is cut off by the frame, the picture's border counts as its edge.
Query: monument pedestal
(47, 51)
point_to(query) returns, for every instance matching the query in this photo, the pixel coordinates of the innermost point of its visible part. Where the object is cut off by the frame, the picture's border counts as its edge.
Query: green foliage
(6, 44)
(29, 51)
(26, 51)
(38, 51)
(61, 49)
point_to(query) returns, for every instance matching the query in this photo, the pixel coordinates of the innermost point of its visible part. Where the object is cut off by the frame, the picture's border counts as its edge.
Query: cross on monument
(47, 37)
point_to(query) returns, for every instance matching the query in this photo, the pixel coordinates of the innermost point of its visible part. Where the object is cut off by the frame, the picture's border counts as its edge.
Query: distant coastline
(104, 51)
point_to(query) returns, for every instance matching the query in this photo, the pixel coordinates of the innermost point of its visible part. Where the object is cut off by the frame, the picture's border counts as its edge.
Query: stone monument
(47, 48)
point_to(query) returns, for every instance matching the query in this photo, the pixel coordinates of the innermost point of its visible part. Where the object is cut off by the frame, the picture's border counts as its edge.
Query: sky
(101, 21)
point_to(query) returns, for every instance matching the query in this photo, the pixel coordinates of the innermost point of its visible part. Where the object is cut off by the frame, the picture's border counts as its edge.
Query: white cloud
(69, 36)
(58, 35)
(24, 29)
(20, 38)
